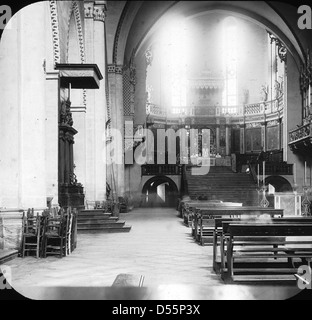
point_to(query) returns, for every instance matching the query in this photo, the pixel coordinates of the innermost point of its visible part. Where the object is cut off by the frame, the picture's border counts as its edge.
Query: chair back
(31, 223)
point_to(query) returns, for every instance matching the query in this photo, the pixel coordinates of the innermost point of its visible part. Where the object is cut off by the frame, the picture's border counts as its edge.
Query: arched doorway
(279, 183)
(159, 191)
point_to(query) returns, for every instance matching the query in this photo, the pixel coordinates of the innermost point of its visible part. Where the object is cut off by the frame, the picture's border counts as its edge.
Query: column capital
(95, 10)
(113, 68)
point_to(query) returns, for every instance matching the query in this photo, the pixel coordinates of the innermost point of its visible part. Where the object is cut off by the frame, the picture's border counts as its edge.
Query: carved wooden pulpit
(76, 76)
(70, 191)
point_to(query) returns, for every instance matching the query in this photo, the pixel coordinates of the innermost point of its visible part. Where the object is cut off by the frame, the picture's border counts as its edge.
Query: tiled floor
(159, 247)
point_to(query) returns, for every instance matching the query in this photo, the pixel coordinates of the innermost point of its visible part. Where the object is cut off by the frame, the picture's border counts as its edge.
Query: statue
(65, 114)
(278, 89)
(264, 93)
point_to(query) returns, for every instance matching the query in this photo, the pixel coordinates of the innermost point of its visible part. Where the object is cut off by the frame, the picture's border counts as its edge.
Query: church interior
(162, 150)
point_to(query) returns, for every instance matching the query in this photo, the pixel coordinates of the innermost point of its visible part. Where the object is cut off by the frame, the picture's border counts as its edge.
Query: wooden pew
(224, 222)
(206, 216)
(197, 217)
(188, 208)
(265, 251)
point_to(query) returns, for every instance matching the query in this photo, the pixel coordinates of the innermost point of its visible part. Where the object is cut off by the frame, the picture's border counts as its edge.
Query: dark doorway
(160, 191)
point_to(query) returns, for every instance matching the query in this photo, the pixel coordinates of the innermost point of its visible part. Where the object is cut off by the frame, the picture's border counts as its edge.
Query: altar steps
(97, 221)
(221, 183)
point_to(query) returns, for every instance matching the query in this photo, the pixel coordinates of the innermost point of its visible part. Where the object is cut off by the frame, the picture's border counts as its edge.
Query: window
(174, 42)
(230, 62)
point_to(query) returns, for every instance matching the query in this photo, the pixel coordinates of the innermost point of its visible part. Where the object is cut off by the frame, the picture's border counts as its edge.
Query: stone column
(218, 135)
(115, 80)
(52, 106)
(120, 126)
(22, 120)
(227, 138)
(95, 187)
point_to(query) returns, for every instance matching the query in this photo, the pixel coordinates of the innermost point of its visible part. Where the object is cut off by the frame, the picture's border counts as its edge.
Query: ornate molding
(96, 11)
(149, 57)
(65, 114)
(132, 69)
(306, 73)
(272, 123)
(281, 48)
(253, 125)
(55, 31)
(117, 69)
(80, 31)
(120, 23)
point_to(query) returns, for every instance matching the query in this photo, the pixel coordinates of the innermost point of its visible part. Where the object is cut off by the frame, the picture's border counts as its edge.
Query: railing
(300, 133)
(274, 168)
(269, 156)
(161, 169)
(260, 108)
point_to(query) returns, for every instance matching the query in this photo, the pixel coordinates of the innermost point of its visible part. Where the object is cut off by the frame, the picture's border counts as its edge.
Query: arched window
(230, 52)
(175, 42)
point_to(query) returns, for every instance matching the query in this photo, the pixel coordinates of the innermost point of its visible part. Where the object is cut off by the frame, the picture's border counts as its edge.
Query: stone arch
(280, 184)
(152, 200)
(266, 17)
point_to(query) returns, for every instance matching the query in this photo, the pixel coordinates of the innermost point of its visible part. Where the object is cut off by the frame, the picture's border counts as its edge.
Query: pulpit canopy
(80, 76)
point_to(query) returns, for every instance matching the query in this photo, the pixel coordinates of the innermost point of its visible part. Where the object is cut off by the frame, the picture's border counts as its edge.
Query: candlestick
(305, 173)
(69, 89)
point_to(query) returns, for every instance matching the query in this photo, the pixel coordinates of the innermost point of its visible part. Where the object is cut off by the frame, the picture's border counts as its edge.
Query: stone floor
(159, 247)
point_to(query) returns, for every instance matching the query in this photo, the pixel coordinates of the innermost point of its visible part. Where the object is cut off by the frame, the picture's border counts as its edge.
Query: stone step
(7, 255)
(97, 219)
(95, 216)
(117, 224)
(100, 225)
(104, 230)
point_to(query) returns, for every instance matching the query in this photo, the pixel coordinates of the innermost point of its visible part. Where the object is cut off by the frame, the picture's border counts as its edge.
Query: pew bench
(204, 224)
(189, 208)
(218, 233)
(261, 252)
(195, 214)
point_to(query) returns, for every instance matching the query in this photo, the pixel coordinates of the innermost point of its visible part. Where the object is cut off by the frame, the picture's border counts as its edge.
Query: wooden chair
(70, 230)
(32, 233)
(54, 237)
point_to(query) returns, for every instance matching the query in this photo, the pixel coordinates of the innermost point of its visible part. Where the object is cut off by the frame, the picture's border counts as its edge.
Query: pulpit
(70, 191)
(72, 76)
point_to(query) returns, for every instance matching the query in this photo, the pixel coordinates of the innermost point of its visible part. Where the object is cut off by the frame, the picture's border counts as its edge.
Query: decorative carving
(65, 114)
(132, 71)
(118, 69)
(253, 125)
(55, 32)
(306, 203)
(88, 10)
(281, 48)
(306, 73)
(149, 57)
(264, 92)
(80, 31)
(99, 13)
(120, 23)
(272, 123)
(95, 11)
(246, 96)
(300, 133)
(112, 68)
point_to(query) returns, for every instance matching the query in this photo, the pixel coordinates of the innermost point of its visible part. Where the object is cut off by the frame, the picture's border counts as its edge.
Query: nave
(159, 247)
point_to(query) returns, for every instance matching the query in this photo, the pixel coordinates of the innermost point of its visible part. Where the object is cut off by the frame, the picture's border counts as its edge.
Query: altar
(213, 160)
(289, 201)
